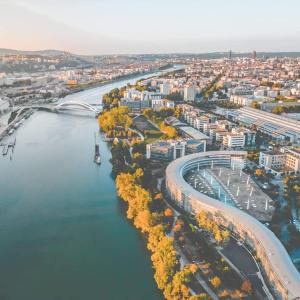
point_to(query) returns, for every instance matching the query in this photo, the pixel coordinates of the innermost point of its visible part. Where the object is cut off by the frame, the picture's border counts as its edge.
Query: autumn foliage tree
(246, 287)
(165, 261)
(216, 282)
(116, 118)
(170, 132)
(206, 221)
(177, 289)
(164, 256)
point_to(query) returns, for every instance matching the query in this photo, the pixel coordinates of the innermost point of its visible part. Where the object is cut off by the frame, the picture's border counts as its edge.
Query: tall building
(230, 54)
(254, 54)
(189, 93)
(165, 88)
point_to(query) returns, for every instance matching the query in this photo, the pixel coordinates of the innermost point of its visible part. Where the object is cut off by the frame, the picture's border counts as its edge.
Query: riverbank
(117, 79)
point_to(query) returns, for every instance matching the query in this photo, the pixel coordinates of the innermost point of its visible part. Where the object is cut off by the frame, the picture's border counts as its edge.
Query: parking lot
(235, 188)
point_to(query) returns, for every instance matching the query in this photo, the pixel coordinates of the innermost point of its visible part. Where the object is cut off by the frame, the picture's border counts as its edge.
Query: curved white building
(277, 265)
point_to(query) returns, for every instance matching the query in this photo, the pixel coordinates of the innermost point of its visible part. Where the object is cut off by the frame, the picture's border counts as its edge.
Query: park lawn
(152, 135)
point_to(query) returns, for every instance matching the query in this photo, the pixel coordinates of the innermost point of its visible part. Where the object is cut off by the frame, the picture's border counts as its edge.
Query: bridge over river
(68, 105)
(63, 106)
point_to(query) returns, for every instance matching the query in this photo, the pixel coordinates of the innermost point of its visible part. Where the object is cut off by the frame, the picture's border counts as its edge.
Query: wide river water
(63, 231)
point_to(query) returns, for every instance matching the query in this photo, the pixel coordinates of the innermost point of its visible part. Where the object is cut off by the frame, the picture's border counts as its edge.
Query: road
(236, 253)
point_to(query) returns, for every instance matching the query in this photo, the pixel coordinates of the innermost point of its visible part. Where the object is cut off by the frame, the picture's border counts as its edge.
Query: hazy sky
(150, 26)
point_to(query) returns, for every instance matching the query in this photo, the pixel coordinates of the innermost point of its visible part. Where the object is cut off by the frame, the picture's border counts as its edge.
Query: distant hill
(50, 52)
(207, 55)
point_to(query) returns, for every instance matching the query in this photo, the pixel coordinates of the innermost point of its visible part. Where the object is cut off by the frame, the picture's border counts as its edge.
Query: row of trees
(271, 84)
(292, 195)
(211, 88)
(286, 109)
(150, 220)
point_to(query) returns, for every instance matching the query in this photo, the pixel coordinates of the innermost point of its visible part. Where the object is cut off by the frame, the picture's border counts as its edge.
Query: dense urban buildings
(149, 150)
(220, 134)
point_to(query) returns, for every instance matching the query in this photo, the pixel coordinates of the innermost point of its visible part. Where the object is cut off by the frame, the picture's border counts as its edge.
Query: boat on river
(97, 157)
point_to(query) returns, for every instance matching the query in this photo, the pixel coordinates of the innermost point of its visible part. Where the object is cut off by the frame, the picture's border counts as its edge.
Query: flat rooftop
(193, 133)
(240, 190)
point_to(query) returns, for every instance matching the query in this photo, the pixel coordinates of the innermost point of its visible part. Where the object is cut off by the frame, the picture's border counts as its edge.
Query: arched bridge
(69, 105)
(78, 106)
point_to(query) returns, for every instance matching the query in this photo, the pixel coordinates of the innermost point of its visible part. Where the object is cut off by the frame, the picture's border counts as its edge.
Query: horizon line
(150, 53)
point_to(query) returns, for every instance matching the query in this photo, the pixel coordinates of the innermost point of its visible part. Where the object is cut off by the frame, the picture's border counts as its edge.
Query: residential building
(272, 160)
(250, 136)
(132, 94)
(189, 93)
(162, 103)
(244, 100)
(234, 140)
(145, 95)
(292, 159)
(165, 88)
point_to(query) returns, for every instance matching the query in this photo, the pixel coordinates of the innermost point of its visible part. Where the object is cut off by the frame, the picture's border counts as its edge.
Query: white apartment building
(189, 93)
(132, 94)
(158, 104)
(219, 135)
(259, 93)
(208, 127)
(271, 160)
(245, 100)
(200, 121)
(272, 93)
(150, 96)
(165, 88)
(234, 140)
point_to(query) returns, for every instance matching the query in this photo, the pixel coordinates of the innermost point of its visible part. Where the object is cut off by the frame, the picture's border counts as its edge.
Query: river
(63, 231)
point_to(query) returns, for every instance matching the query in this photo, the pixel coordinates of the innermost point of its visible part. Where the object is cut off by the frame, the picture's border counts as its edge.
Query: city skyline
(115, 27)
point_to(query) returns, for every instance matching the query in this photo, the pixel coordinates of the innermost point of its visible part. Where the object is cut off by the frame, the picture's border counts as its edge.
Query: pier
(7, 146)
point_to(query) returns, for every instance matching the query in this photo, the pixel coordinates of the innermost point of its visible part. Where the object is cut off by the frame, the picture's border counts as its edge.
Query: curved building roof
(279, 260)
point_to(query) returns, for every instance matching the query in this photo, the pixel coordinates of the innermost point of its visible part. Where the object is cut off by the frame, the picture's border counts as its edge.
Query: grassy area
(152, 135)
(150, 132)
